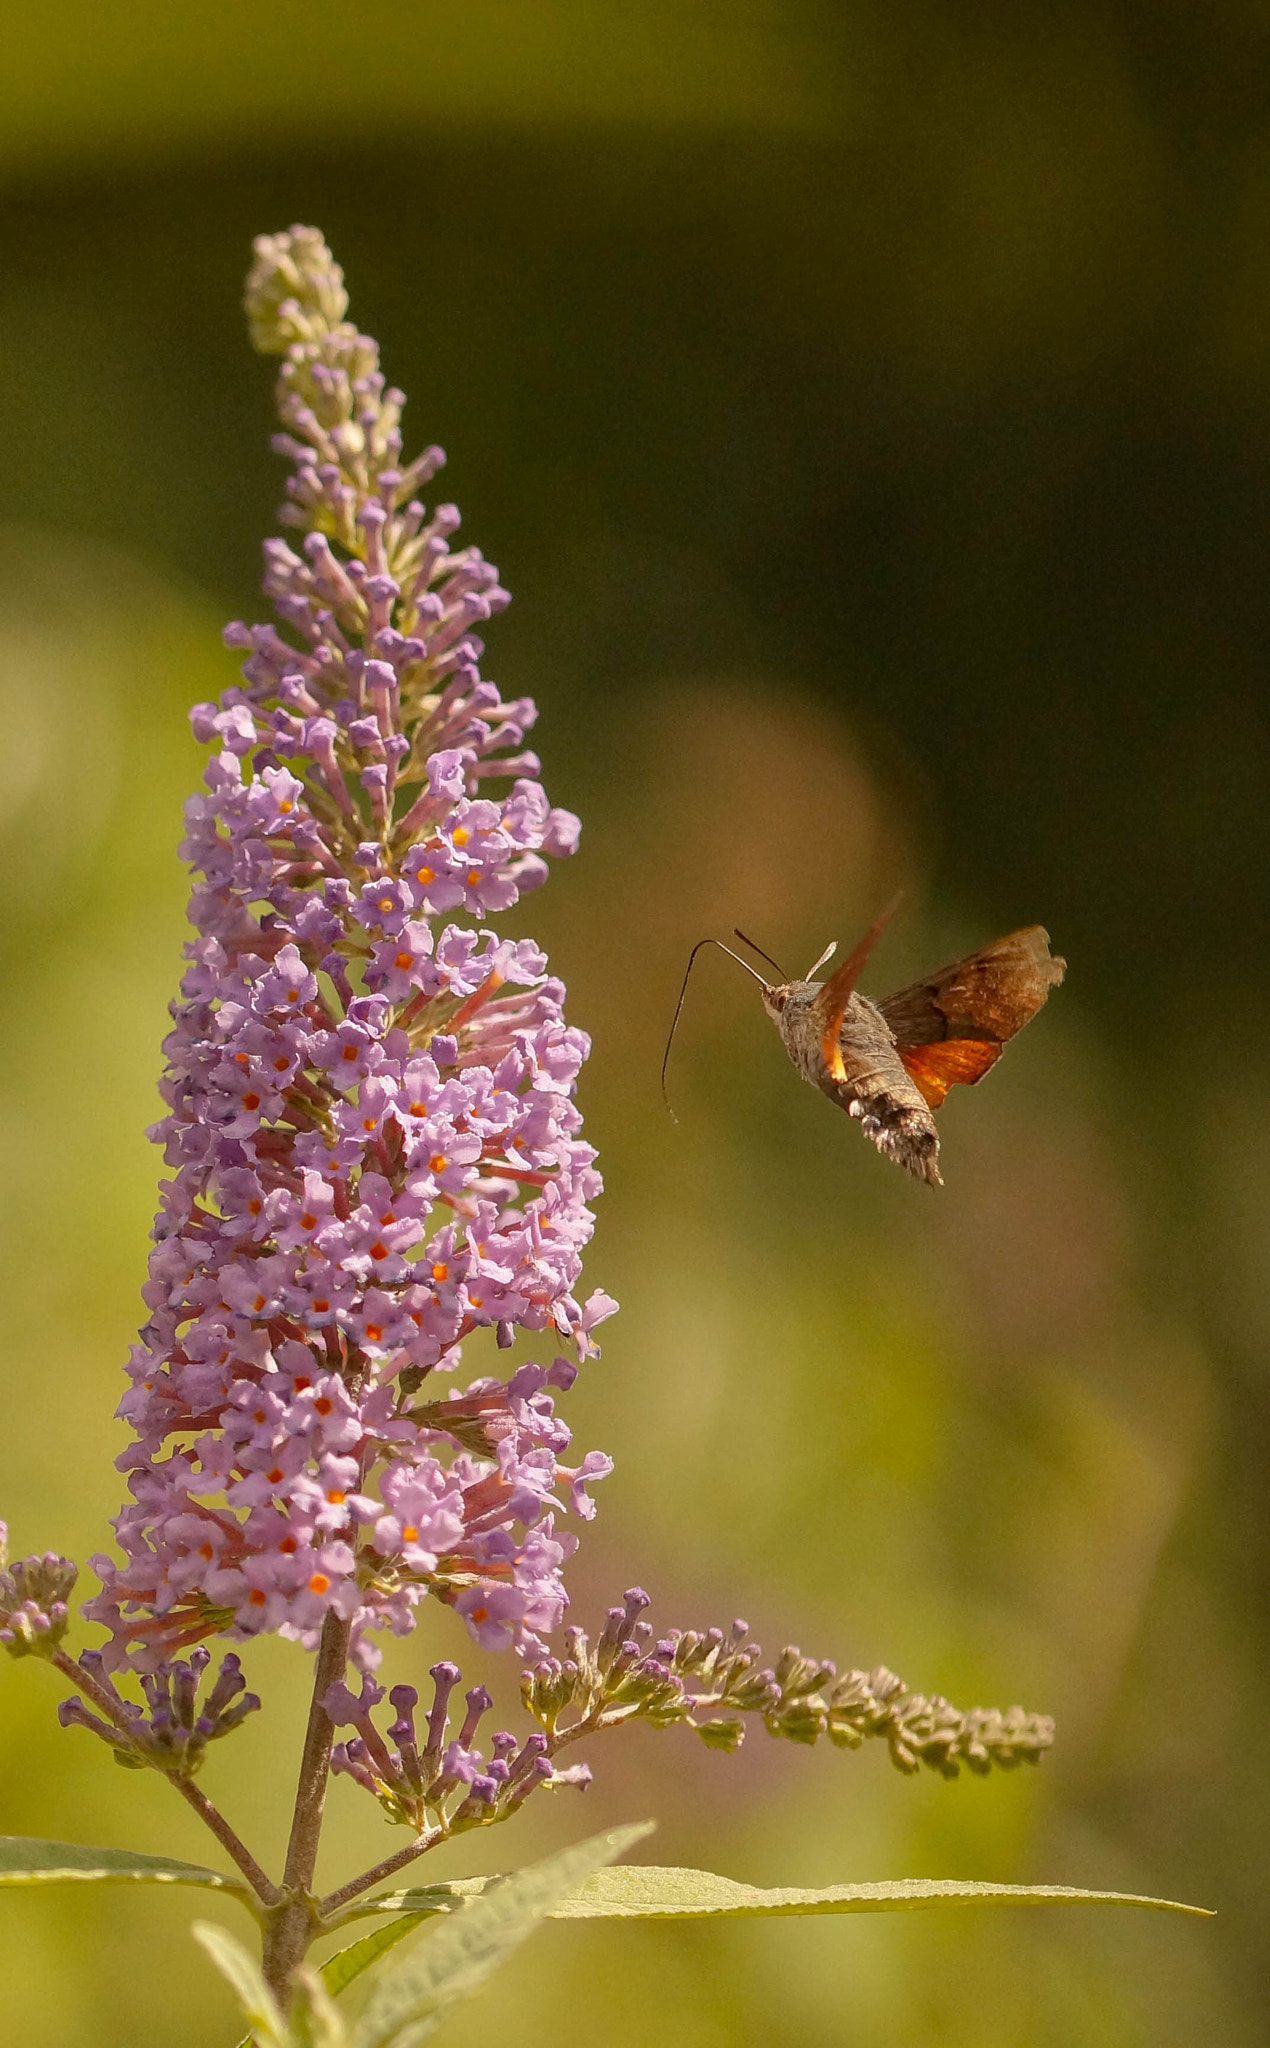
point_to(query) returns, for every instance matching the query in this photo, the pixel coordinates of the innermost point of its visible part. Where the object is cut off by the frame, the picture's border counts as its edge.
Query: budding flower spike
(890, 1064)
(34, 1592)
(377, 1184)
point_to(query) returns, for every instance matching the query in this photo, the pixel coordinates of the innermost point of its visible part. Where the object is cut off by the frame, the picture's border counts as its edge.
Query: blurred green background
(870, 409)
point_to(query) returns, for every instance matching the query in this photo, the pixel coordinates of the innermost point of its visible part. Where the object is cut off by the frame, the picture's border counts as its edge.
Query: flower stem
(265, 1889)
(379, 1871)
(293, 1924)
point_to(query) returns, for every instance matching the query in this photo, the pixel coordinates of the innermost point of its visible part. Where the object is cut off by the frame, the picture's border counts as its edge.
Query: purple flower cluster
(34, 1600)
(174, 1728)
(443, 1782)
(371, 1133)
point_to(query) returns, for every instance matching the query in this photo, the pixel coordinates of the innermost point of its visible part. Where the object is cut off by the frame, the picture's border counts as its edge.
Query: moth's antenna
(828, 954)
(746, 941)
(683, 992)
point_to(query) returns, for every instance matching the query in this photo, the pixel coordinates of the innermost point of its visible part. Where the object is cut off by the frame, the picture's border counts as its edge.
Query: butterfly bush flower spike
(371, 1135)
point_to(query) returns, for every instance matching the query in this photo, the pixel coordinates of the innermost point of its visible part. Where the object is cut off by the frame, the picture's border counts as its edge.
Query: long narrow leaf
(242, 1973)
(340, 1970)
(659, 1892)
(662, 1893)
(25, 1859)
(462, 1952)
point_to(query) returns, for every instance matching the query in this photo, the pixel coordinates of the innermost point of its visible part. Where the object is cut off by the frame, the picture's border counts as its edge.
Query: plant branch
(265, 1889)
(294, 1924)
(379, 1871)
(310, 1798)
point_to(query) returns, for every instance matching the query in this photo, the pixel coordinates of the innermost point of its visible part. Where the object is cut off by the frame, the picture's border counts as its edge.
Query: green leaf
(658, 1892)
(661, 1893)
(242, 1973)
(25, 1859)
(462, 1952)
(346, 1964)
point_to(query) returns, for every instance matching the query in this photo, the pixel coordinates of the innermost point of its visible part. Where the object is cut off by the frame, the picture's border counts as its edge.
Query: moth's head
(775, 997)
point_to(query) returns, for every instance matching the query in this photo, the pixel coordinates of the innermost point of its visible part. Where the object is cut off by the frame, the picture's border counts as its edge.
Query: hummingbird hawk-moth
(890, 1064)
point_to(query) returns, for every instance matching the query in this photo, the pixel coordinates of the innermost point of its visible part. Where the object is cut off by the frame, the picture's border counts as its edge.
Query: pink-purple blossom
(446, 1783)
(371, 1134)
(174, 1728)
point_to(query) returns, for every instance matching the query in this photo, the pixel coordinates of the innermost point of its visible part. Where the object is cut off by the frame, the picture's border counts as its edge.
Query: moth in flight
(890, 1064)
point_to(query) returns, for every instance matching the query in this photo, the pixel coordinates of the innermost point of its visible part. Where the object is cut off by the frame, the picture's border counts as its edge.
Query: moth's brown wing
(950, 1027)
(937, 1068)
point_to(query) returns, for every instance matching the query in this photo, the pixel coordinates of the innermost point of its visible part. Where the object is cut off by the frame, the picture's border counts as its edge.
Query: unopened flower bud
(34, 1593)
